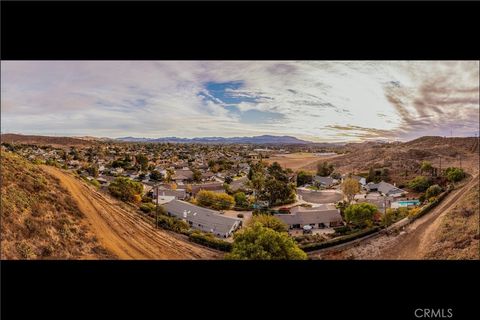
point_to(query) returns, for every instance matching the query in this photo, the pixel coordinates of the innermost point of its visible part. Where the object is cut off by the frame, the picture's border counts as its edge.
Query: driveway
(320, 197)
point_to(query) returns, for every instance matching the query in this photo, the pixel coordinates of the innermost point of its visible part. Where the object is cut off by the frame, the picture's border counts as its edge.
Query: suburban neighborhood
(209, 192)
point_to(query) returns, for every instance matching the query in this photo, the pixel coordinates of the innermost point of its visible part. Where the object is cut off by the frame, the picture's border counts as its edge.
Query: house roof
(323, 180)
(215, 186)
(178, 193)
(385, 188)
(321, 214)
(183, 174)
(210, 219)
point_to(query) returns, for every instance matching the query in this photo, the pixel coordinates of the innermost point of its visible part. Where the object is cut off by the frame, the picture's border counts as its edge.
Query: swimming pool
(405, 203)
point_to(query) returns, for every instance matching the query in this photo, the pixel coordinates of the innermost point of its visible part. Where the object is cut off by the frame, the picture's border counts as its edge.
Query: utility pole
(156, 207)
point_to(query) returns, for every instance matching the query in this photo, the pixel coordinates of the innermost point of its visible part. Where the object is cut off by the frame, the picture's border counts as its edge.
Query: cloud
(317, 100)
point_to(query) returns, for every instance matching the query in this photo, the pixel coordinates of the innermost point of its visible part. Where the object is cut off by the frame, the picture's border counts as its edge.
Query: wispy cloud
(318, 100)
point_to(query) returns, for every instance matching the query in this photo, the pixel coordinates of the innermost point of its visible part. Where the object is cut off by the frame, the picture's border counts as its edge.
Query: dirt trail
(123, 232)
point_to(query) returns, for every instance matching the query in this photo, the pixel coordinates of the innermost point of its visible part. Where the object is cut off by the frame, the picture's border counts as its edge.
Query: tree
(93, 171)
(360, 214)
(324, 169)
(197, 175)
(142, 160)
(240, 199)
(350, 188)
(257, 182)
(303, 178)
(371, 175)
(147, 207)
(257, 242)
(126, 189)
(419, 184)
(269, 221)
(389, 217)
(218, 201)
(454, 174)
(155, 175)
(277, 191)
(432, 191)
(228, 180)
(426, 166)
(169, 175)
(276, 171)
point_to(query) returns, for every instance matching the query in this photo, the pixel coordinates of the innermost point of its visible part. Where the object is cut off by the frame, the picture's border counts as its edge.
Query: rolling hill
(40, 220)
(43, 140)
(265, 139)
(400, 158)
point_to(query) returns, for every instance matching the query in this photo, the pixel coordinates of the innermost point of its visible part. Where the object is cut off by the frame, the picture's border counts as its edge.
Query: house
(324, 216)
(117, 170)
(208, 176)
(105, 180)
(253, 156)
(244, 167)
(203, 219)
(179, 194)
(385, 189)
(324, 181)
(164, 199)
(215, 187)
(182, 176)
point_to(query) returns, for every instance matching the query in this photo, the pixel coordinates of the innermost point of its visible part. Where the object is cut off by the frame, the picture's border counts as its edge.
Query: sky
(324, 101)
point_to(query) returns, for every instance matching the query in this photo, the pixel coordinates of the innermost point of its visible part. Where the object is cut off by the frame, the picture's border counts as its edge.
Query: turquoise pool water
(405, 203)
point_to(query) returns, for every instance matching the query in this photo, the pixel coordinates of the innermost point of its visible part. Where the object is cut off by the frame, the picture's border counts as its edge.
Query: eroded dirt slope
(124, 232)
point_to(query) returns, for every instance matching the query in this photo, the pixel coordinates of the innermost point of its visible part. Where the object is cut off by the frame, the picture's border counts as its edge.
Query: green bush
(431, 205)
(95, 183)
(342, 230)
(240, 199)
(454, 174)
(209, 240)
(420, 184)
(126, 189)
(172, 224)
(361, 214)
(432, 191)
(217, 201)
(147, 207)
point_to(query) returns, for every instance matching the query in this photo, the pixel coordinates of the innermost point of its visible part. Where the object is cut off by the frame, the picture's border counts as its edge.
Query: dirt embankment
(124, 232)
(38, 217)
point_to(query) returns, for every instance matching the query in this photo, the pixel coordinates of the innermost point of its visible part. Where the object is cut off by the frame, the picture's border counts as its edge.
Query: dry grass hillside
(39, 219)
(43, 140)
(458, 234)
(403, 159)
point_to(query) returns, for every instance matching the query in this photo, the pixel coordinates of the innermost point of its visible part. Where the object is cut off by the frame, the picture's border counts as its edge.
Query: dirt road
(124, 232)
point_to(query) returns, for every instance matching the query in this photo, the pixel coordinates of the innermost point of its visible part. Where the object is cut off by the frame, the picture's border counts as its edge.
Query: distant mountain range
(265, 139)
